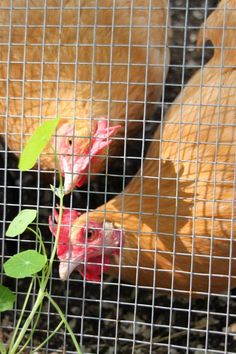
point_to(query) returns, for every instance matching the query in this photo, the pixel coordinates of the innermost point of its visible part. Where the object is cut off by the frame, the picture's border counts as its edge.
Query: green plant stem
(22, 314)
(59, 170)
(2, 348)
(65, 322)
(39, 237)
(32, 330)
(48, 338)
(39, 299)
(41, 292)
(46, 272)
(54, 250)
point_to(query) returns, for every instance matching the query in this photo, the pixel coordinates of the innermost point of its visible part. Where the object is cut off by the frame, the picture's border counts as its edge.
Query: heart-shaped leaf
(24, 264)
(20, 222)
(36, 144)
(7, 299)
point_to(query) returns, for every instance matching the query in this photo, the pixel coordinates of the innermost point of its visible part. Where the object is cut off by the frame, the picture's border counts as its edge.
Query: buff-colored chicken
(174, 224)
(94, 60)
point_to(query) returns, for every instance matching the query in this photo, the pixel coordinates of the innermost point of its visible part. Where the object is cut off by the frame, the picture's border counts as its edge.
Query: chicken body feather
(177, 215)
(80, 64)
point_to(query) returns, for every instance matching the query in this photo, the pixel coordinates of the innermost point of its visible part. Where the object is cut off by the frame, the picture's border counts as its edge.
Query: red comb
(99, 141)
(103, 132)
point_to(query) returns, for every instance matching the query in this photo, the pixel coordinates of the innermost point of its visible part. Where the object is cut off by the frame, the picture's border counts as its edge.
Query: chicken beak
(73, 180)
(68, 266)
(72, 176)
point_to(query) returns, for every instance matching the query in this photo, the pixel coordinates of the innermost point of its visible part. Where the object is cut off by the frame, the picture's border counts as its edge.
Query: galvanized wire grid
(112, 317)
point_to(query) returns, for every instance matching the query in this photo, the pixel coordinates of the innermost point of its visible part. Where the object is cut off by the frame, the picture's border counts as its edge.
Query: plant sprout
(32, 263)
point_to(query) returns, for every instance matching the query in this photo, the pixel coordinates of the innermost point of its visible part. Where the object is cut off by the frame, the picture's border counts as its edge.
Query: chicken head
(85, 249)
(78, 148)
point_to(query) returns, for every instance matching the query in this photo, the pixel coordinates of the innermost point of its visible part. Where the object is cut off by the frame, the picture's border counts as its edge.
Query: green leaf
(7, 299)
(36, 144)
(20, 222)
(2, 348)
(24, 264)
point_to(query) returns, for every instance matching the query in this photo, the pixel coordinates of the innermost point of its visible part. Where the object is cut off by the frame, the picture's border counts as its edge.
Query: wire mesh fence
(156, 80)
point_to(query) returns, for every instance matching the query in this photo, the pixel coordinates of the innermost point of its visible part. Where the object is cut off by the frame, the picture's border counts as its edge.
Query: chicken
(100, 68)
(173, 226)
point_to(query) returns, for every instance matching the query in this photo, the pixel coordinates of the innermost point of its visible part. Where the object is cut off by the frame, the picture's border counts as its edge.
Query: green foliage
(2, 348)
(28, 263)
(36, 144)
(24, 264)
(20, 222)
(57, 191)
(7, 299)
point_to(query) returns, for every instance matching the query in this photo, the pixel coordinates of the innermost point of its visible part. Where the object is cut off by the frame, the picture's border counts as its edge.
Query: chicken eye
(90, 233)
(69, 141)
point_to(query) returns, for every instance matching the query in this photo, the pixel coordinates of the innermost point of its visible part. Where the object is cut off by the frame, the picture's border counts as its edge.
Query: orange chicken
(99, 68)
(173, 226)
